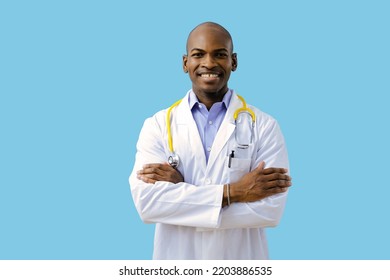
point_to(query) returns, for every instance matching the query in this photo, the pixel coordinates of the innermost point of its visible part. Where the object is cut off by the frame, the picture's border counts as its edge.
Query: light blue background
(77, 79)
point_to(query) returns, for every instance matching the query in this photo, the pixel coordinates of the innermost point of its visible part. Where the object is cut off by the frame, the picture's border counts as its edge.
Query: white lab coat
(190, 222)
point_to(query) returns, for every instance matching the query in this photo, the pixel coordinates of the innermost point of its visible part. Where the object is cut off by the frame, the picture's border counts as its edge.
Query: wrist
(235, 193)
(226, 200)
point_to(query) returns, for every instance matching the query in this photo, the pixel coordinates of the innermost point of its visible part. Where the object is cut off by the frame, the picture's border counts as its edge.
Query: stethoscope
(174, 159)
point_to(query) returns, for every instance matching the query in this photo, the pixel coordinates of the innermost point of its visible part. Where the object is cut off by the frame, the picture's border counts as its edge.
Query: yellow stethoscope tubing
(170, 144)
(244, 108)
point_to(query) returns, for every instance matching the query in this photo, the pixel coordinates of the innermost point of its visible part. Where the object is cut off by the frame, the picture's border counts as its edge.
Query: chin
(211, 88)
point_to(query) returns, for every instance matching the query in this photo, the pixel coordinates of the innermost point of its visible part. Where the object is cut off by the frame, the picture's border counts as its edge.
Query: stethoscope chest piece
(173, 160)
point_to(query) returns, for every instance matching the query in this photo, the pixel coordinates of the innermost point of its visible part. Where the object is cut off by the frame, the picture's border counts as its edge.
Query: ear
(234, 62)
(185, 59)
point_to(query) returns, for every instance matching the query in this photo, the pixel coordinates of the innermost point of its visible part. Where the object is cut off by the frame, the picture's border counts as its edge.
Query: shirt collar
(193, 100)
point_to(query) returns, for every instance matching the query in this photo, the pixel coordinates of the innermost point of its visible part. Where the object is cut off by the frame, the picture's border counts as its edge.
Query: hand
(260, 183)
(151, 173)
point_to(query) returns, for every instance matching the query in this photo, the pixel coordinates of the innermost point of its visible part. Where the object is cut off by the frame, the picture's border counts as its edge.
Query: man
(219, 199)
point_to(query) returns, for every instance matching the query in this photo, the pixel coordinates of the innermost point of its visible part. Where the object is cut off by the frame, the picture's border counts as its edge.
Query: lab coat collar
(193, 99)
(184, 109)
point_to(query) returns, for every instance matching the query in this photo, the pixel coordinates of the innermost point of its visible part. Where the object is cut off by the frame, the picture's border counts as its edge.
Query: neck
(209, 98)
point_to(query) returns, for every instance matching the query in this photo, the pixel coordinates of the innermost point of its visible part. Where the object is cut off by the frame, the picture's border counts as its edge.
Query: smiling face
(209, 61)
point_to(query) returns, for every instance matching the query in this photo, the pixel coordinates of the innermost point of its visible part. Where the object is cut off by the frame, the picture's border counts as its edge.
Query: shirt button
(210, 122)
(200, 106)
(209, 149)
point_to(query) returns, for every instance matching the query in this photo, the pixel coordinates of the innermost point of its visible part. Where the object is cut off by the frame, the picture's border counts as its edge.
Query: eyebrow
(217, 50)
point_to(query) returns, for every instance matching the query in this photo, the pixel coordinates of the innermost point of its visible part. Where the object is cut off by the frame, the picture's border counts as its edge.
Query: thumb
(261, 165)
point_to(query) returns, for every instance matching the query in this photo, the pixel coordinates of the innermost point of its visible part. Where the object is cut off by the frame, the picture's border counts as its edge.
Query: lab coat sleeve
(164, 202)
(268, 211)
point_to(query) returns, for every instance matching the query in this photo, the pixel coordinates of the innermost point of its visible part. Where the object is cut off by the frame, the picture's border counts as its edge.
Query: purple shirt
(208, 122)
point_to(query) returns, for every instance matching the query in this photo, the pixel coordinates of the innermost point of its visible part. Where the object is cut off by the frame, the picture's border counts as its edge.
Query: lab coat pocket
(238, 168)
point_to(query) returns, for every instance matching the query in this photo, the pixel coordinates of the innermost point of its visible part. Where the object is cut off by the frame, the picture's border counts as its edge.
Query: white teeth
(209, 75)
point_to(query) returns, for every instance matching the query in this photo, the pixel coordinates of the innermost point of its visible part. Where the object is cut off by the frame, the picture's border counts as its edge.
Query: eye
(197, 54)
(221, 55)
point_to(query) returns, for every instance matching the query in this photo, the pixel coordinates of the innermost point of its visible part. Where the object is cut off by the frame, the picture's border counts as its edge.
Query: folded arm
(159, 191)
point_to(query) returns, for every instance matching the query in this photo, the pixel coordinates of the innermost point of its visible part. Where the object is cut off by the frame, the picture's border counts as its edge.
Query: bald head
(210, 27)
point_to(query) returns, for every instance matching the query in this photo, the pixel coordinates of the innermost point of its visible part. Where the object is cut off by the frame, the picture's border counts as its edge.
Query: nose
(208, 61)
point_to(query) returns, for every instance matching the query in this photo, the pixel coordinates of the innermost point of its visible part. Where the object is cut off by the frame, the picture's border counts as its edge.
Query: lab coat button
(208, 181)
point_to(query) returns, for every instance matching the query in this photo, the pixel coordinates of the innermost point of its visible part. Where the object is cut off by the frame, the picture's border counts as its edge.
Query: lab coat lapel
(225, 131)
(190, 140)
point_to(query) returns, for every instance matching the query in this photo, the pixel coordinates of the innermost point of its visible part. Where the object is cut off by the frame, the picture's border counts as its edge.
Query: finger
(259, 169)
(277, 184)
(164, 165)
(161, 166)
(148, 168)
(146, 179)
(143, 171)
(275, 176)
(274, 170)
(152, 165)
(154, 170)
(261, 165)
(261, 178)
